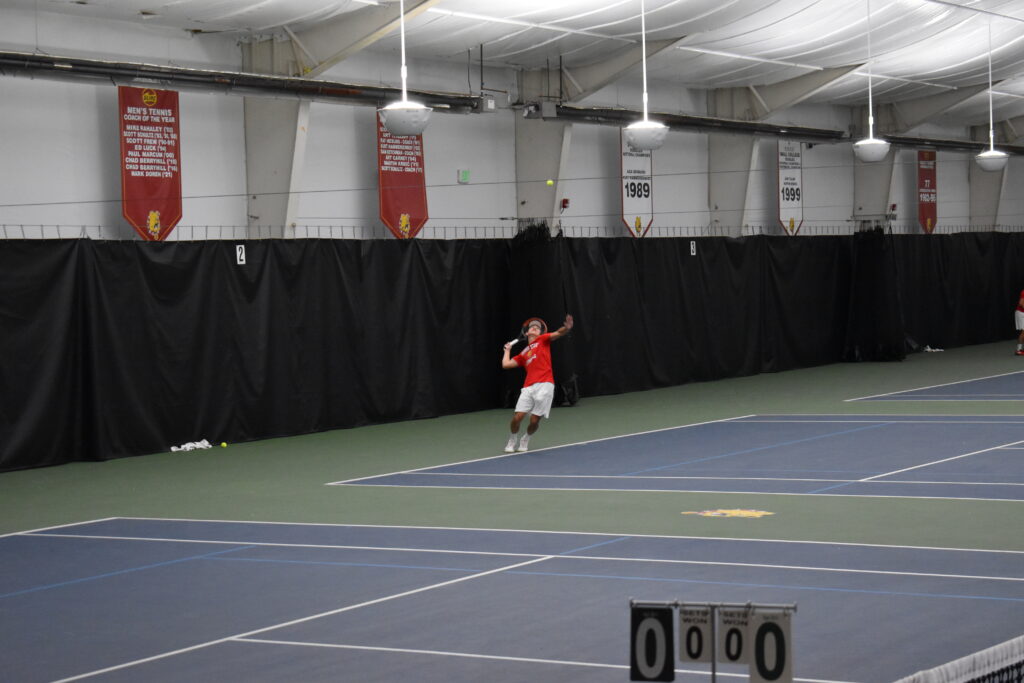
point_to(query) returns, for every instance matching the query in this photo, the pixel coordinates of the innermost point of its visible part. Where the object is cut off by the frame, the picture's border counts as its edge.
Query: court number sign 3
(760, 639)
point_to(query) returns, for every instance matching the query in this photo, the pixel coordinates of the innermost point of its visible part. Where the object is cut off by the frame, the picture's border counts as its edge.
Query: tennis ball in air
(550, 183)
(223, 445)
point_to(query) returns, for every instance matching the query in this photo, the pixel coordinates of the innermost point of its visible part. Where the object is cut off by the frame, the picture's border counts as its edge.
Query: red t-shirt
(536, 358)
(1018, 302)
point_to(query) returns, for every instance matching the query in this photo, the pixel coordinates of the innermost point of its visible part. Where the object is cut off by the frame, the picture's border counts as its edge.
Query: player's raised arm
(564, 329)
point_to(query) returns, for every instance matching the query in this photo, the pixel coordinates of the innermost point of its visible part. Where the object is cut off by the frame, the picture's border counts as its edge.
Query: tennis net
(1003, 663)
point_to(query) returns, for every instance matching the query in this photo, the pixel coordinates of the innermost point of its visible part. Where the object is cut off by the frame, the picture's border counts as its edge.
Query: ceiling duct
(236, 83)
(623, 117)
(258, 85)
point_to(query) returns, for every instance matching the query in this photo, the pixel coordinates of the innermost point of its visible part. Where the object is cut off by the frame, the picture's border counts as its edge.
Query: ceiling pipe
(618, 117)
(949, 145)
(258, 85)
(236, 83)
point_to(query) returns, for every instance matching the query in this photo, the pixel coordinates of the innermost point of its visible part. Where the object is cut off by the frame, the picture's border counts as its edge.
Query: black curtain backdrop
(959, 289)
(875, 329)
(112, 349)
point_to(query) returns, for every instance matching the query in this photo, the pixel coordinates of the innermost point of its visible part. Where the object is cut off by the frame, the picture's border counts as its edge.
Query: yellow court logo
(730, 513)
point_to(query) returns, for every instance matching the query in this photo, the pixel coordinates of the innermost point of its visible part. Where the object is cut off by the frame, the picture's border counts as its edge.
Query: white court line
(634, 478)
(526, 660)
(301, 620)
(793, 567)
(402, 650)
(934, 398)
(604, 534)
(987, 397)
(488, 553)
(935, 386)
(317, 546)
(538, 450)
(715, 491)
(936, 462)
(57, 526)
(868, 419)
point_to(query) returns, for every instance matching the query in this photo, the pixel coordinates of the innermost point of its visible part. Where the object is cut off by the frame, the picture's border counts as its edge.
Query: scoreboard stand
(732, 633)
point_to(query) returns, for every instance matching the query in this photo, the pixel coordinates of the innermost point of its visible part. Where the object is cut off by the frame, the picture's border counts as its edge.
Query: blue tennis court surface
(850, 455)
(187, 600)
(1008, 387)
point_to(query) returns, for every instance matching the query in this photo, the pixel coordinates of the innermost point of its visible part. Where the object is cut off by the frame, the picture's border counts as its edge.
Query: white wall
(59, 143)
(59, 140)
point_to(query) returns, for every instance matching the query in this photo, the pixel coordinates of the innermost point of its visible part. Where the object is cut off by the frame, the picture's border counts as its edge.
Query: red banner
(402, 183)
(927, 196)
(150, 160)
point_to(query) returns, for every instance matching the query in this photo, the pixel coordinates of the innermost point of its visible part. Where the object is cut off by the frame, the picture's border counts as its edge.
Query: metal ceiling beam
(899, 117)
(334, 40)
(1012, 129)
(586, 80)
(754, 103)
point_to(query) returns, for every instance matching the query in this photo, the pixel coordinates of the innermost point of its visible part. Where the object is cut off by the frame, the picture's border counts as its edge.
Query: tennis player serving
(539, 388)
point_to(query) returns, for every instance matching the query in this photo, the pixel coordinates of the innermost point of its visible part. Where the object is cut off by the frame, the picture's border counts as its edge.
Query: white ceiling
(918, 47)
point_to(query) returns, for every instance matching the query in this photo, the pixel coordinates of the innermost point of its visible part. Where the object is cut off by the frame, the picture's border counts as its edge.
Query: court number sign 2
(733, 626)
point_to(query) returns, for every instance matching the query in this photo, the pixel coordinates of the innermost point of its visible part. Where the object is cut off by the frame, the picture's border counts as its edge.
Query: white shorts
(1018, 319)
(536, 399)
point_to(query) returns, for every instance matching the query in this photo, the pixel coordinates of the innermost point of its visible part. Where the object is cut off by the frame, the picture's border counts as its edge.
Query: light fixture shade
(643, 136)
(405, 117)
(871, 150)
(992, 160)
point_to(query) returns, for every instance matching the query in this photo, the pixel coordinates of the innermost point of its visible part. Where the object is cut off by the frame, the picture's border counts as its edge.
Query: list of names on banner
(150, 142)
(401, 154)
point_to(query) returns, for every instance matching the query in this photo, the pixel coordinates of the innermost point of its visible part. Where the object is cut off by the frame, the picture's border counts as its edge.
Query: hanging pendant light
(642, 136)
(870, 149)
(405, 117)
(992, 159)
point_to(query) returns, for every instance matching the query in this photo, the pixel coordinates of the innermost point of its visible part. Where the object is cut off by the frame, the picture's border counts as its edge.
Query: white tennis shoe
(510, 447)
(524, 443)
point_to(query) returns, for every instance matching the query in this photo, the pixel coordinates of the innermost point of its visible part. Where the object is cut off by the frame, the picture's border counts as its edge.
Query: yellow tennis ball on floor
(223, 445)
(550, 183)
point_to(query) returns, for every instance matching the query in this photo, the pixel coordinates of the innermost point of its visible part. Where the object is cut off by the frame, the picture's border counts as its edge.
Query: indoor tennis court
(212, 600)
(894, 534)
